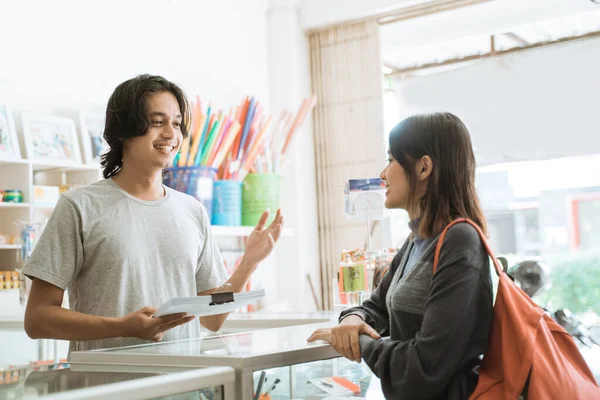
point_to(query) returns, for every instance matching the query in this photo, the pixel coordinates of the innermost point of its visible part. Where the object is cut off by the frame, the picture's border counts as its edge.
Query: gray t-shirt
(116, 254)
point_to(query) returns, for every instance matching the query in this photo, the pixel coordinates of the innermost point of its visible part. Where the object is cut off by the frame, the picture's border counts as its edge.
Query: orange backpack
(526, 346)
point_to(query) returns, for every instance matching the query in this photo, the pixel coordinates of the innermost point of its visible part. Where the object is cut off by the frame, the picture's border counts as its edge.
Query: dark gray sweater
(434, 329)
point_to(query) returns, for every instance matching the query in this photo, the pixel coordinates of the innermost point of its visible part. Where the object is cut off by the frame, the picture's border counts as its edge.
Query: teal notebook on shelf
(216, 303)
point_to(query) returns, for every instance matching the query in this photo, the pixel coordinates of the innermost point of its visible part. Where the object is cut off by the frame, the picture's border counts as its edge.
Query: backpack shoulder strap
(440, 242)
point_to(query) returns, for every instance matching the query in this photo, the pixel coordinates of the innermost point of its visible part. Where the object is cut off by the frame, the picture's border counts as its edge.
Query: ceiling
(445, 36)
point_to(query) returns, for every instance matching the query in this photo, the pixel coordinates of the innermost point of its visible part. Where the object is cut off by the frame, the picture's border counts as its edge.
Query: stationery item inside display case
(313, 380)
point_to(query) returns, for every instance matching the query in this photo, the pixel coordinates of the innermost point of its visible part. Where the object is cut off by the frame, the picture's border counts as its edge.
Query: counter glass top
(54, 378)
(236, 350)
(32, 382)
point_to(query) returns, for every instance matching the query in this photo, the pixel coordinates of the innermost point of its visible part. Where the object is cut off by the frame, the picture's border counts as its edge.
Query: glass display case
(59, 381)
(282, 353)
(338, 377)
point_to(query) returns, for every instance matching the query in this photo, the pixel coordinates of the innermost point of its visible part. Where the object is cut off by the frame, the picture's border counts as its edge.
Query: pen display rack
(360, 271)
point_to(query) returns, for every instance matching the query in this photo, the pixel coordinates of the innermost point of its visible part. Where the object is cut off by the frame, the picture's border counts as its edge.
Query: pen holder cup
(195, 181)
(265, 396)
(259, 193)
(227, 203)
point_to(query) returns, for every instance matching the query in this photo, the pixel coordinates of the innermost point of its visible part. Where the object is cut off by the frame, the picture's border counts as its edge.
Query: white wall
(319, 13)
(72, 54)
(289, 82)
(530, 105)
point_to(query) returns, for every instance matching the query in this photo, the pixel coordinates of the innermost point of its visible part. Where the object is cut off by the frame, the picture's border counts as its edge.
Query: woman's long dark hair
(450, 192)
(126, 116)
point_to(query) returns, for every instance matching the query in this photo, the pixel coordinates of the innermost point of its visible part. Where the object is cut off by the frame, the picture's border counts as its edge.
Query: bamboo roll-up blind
(348, 128)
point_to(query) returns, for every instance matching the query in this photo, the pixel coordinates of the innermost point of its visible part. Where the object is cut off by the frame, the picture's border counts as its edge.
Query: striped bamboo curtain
(348, 128)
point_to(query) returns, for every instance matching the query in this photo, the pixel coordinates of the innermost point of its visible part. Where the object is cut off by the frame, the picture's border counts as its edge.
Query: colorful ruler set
(244, 140)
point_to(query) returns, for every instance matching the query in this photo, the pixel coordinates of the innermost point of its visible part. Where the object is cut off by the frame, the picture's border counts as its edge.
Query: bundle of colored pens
(211, 136)
(272, 148)
(241, 141)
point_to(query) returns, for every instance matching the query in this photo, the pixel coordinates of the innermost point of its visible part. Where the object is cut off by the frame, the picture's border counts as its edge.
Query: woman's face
(396, 183)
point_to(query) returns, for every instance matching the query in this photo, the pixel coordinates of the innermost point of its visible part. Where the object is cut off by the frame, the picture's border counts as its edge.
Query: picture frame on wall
(9, 140)
(51, 139)
(92, 137)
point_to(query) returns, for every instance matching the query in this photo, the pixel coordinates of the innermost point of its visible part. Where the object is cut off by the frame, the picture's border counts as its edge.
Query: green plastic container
(259, 193)
(13, 196)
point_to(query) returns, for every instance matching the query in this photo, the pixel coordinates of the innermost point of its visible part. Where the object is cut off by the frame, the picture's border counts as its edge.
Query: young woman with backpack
(423, 334)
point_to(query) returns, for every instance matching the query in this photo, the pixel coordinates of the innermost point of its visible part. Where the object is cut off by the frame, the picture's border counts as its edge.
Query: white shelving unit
(10, 247)
(23, 175)
(14, 205)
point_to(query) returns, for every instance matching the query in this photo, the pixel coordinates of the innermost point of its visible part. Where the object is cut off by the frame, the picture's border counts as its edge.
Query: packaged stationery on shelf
(10, 292)
(333, 388)
(364, 199)
(359, 274)
(28, 236)
(382, 263)
(352, 276)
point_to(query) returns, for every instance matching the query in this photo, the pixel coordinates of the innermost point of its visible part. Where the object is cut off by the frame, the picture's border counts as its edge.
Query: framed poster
(51, 139)
(9, 141)
(92, 131)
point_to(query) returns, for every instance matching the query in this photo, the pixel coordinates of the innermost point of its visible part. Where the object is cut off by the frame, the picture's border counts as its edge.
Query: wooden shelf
(14, 205)
(63, 167)
(241, 231)
(52, 166)
(13, 162)
(43, 206)
(10, 246)
(27, 205)
(12, 319)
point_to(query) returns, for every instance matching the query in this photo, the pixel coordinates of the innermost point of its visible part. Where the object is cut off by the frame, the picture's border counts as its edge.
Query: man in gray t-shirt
(125, 245)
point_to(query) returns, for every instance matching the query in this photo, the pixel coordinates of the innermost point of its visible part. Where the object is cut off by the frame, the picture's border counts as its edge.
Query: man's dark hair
(126, 115)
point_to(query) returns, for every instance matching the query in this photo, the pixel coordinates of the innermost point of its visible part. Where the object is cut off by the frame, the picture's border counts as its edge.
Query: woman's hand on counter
(344, 337)
(142, 325)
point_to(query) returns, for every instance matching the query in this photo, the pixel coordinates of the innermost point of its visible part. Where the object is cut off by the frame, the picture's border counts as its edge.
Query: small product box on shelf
(11, 196)
(45, 194)
(10, 292)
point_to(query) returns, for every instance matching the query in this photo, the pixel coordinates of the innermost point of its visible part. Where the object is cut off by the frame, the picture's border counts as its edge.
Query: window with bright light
(550, 211)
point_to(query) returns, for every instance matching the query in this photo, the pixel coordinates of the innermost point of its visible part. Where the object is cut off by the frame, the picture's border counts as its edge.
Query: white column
(289, 83)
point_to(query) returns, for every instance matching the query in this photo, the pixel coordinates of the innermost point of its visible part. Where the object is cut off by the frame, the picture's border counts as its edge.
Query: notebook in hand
(201, 306)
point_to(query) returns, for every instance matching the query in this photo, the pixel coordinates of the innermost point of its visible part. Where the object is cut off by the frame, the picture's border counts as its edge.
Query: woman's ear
(424, 168)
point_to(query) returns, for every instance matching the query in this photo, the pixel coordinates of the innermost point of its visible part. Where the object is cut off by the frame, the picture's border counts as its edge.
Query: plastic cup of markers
(227, 203)
(260, 192)
(196, 181)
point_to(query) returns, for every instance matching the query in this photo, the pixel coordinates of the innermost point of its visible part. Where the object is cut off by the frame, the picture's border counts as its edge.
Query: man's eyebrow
(161, 114)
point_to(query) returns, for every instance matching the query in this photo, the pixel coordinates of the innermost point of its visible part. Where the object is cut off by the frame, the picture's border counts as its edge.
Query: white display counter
(283, 354)
(59, 382)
